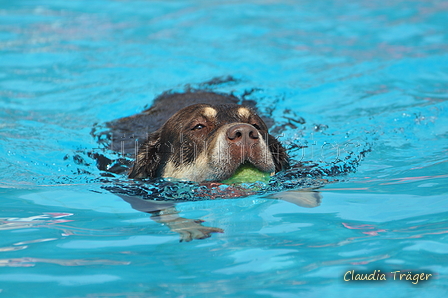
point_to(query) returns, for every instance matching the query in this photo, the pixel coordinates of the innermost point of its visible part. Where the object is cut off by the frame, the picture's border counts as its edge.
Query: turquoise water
(362, 74)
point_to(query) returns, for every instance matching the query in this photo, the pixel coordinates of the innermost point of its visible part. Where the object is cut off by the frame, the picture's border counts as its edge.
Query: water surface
(359, 74)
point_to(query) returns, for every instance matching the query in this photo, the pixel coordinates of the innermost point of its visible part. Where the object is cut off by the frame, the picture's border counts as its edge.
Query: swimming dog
(207, 139)
(198, 136)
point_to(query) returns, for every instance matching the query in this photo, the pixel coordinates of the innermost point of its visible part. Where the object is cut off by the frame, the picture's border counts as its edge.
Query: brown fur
(194, 143)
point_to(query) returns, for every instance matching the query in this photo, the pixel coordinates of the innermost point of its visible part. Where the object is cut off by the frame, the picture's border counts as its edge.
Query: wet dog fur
(173, 146)
(197, 136)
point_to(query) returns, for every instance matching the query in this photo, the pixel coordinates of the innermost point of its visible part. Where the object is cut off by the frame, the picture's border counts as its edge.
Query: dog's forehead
(216, 113)
(231, 112)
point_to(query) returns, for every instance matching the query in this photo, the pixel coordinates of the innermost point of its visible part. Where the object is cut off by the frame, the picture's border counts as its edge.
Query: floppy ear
(148, 158)
(279, 155)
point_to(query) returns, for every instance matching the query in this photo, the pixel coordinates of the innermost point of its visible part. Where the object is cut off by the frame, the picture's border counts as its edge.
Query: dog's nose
(243, 134)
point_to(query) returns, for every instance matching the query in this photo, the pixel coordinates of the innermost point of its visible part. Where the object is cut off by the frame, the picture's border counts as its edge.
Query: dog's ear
(279, 155)
(148, 158)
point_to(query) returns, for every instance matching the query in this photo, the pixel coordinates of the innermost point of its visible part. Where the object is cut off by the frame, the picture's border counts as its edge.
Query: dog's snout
(242, 133)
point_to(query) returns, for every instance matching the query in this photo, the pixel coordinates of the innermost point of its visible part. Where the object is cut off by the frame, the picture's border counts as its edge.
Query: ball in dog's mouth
(248, 173)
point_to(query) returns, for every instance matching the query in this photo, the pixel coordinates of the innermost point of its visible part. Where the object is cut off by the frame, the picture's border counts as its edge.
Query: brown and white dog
(207, 140)
(197, 136)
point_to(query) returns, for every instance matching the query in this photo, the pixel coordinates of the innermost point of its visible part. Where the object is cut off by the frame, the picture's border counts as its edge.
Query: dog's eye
(198, 127)
(256, 126)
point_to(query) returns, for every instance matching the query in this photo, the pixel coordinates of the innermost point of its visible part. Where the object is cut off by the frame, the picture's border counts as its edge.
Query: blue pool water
(363, 74)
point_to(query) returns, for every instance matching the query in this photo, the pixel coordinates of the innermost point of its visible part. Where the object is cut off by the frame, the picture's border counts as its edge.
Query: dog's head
(204, 142)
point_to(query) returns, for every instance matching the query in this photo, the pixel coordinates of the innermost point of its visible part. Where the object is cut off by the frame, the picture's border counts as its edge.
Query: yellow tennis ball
(247, 173)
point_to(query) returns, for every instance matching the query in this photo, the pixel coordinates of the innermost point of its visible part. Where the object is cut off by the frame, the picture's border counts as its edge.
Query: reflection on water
(332, 74)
